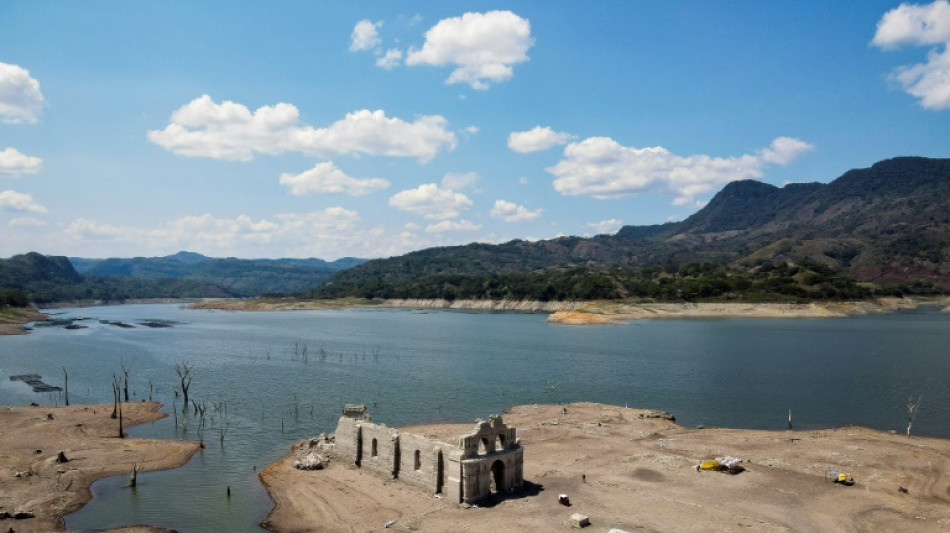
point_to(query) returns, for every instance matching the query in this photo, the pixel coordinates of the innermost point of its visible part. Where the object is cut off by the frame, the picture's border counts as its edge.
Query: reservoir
(270, 379)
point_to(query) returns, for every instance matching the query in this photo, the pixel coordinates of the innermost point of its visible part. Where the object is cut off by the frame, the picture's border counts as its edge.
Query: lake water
(414, 366)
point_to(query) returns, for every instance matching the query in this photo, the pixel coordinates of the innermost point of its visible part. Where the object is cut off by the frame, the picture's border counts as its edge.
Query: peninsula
(636, 470)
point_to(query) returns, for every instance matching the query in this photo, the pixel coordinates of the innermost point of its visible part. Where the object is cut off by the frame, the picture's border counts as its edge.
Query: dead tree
(116, 389)
(65, 386)
(132, 477)
(912, 408)
(184, 374)
(125, 383)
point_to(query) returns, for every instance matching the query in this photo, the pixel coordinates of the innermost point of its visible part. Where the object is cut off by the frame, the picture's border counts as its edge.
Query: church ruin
(488, 460)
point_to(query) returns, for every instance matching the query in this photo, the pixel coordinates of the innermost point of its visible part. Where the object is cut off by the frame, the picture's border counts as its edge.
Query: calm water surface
(422, 366)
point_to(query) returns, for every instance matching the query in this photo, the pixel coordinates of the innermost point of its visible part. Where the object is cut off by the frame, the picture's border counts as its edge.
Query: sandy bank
(12, 319)
(640, 476)
(617, 312)
(597, 312)
(32, 480)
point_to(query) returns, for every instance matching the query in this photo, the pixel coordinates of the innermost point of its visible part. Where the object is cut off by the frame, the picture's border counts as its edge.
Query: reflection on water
(284, 376)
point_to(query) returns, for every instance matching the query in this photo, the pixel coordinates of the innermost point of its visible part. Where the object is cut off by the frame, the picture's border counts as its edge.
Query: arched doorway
(498, 476)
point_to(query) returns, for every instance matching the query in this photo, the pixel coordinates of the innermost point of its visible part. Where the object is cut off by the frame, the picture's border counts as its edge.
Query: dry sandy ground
(30, 442)
(640, 476)
(615, 312)
(12, 319)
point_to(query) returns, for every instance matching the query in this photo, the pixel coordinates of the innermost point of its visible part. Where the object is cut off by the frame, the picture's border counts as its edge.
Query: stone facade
(488, 460)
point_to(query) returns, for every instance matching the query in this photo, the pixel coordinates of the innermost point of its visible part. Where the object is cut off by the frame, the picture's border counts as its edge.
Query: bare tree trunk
(184, 375)
(912, 408)
(66, 385)
(132, 477)
(125, 372)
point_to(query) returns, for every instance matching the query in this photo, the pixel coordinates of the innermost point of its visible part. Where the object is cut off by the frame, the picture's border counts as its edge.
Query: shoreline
(12, 319)
(634, 469)
(598, 312)
(35, 482)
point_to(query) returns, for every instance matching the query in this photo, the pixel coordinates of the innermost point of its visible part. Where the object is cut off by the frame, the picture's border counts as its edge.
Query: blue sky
(316, 129)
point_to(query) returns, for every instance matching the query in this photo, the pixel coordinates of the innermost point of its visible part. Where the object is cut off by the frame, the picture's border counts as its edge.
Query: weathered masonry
(488, 460)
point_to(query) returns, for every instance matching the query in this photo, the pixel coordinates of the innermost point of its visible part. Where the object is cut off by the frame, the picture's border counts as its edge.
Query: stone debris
(579, 520)
(313, 454)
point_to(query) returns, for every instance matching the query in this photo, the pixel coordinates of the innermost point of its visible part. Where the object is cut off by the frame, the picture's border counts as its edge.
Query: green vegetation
(883, 229)
(687, 282)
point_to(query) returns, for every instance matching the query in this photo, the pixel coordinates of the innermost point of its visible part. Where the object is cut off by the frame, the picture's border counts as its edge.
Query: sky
(371, 129)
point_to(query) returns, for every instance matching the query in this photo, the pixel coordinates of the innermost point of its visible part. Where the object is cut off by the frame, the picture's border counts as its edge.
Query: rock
(61, 457)
(311, 461)
(22, 515)
(4, 515)
(23, 473)
(579, 520)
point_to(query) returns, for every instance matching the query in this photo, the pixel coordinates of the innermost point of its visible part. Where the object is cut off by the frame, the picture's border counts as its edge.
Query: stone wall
(489, 459)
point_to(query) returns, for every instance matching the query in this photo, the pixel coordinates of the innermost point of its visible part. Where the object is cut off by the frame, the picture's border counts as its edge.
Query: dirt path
(628, 471)
(33, 481)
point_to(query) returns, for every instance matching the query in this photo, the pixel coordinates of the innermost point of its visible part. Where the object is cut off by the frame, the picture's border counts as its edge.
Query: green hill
(887, 226)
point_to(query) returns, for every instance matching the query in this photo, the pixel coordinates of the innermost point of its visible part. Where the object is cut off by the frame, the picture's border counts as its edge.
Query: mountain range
(878, 230)
(888, 224)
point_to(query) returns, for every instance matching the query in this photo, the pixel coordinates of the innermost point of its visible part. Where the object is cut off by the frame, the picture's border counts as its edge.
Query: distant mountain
(46, 279)
(239, 277)
(887, 224)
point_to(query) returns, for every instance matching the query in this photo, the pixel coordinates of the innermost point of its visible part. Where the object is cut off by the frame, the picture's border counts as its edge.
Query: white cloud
(452, 225)
(455, 181)
(390, 59)
(609, 226)
(431, 201)
(512, 212)
(920, 25)
(15, 201)
(602, 168)
(319, 233)
(365, 35)
(784, 150)
(203, 128)
(26, 222)
(472, 129)
(14, 162)
(537, 139)
(326, 178)
(20, 97)
(482, 46)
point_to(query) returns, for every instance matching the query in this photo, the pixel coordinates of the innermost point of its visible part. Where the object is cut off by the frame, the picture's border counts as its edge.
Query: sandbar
(33, 481)
(635, 470)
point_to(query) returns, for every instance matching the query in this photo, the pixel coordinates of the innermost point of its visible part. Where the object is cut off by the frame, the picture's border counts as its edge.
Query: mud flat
(34, 482)
(635, 470)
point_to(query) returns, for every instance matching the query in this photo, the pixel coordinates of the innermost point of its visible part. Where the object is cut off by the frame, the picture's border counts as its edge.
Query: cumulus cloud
(455, 181)
(431, 201)
(537, 139)
(318, 233)
(920, 25)
(14, 162)
(603, 168)
(609, 226)
(326, 178)
(15, 201)
(20, 96)
(26, 222)
(452, 225)
(204, 128)
(365, 35)
(512, 212)
(390, 59)
(482, 46)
